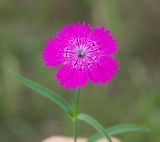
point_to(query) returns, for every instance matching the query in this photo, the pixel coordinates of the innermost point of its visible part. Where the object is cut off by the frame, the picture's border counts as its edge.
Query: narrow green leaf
(118, 130)
(46, 93)
(94, 123)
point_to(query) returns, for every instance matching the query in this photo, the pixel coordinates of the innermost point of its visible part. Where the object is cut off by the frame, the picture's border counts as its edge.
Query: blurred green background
(132, 97)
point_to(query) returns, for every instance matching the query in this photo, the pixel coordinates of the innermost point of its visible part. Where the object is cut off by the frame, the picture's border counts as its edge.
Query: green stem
(75, 113)
(77, 99)
(75, 130)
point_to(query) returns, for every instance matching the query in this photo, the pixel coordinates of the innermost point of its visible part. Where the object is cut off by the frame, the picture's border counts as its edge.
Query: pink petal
(71, 77)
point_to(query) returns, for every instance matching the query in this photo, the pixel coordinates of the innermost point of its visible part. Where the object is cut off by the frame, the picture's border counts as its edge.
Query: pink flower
(84, 54)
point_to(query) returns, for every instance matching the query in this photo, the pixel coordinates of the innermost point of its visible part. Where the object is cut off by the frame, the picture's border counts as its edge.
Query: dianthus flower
(83, 53)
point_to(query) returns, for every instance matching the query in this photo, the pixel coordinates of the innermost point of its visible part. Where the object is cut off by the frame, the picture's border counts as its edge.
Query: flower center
(81, 52)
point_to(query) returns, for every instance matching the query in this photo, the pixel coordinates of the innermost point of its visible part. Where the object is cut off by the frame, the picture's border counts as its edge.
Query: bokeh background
(132, 97)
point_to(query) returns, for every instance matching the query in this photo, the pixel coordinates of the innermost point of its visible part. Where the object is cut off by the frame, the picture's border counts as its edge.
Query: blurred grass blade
(94, 123)
(118, 130)
(46, 93)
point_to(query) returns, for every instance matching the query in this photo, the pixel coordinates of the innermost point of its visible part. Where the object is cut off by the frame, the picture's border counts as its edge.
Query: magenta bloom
(84, 54)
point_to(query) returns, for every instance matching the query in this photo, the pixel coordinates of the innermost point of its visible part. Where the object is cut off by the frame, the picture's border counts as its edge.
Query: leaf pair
(109, 131)
(86, 118)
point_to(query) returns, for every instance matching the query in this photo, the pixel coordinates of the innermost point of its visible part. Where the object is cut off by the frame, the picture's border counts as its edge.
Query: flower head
(83, 53)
